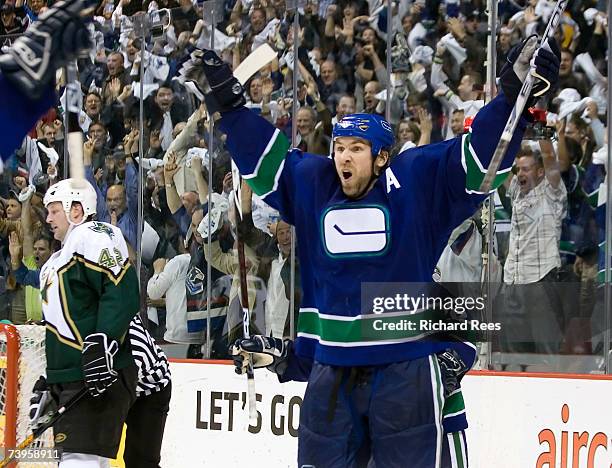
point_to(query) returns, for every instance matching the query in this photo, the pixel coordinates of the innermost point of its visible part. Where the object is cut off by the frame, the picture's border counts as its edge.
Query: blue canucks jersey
(394, 234)
(18, 114)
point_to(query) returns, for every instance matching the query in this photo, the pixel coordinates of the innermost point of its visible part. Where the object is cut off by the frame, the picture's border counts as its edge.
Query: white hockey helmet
(68, 191)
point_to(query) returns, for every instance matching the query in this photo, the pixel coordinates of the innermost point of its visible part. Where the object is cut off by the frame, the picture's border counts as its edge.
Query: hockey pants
(381, 416)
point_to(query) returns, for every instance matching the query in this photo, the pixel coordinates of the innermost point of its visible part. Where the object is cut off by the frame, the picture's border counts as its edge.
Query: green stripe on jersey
(454, 404)
(262, 181)
(365, 329)
(474, 170)
(458, 450)
(593, 198)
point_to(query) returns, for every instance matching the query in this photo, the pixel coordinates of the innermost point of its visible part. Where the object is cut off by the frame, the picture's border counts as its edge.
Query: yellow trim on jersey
(100, 269)
(63, 339)
(64, 302)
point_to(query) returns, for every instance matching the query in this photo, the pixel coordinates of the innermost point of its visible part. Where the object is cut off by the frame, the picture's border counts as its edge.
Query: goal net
(22, 361)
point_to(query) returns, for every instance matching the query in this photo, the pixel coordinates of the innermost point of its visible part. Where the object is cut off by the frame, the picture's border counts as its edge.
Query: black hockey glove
(517, 66)
(214, 80)
(97, 360)
(58, 36)
(266, 351)
(452, 370)
(41, 403)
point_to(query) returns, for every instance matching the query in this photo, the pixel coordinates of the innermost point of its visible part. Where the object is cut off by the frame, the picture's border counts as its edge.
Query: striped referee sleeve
(152, 363)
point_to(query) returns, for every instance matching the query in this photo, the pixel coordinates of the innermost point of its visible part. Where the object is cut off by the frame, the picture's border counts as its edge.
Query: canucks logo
(195, 281)
(356, 231)
(102, 229)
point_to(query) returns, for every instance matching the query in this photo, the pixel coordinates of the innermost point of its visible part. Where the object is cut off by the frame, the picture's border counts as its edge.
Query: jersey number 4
(110, 261)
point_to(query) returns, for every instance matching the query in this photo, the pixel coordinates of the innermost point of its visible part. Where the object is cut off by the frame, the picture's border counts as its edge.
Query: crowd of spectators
(553, 229)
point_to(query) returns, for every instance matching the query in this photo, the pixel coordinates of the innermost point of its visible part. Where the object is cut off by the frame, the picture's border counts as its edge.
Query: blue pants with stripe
(385, 416)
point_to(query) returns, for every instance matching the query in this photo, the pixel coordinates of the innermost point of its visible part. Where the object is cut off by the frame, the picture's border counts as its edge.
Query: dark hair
(165, 84)
(537, 157)
(574, 150)
(414, 128)
(97, 122)
(44, 237)
(95, 93)
(352, 96)
(260, 9)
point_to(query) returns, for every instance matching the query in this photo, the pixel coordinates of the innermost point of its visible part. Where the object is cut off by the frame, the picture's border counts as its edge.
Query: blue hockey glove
(517, 66)
(57, 37)
(214, 80)
(97, 360)
(452, 370)
(266, 351)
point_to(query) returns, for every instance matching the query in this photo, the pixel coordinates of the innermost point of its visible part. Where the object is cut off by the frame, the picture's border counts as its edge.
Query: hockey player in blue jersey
(27, 70)
(362, 218)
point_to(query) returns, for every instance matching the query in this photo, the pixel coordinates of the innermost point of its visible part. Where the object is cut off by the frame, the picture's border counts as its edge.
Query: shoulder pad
(101, 244)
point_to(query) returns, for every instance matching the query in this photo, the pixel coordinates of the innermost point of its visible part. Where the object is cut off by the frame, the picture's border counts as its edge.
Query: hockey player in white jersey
(89, 297)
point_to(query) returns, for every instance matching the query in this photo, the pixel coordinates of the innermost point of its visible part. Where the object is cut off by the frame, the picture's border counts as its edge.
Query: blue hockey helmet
(370, 127)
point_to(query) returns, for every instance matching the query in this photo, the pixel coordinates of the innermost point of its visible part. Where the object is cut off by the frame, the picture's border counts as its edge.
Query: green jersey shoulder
(88, 286)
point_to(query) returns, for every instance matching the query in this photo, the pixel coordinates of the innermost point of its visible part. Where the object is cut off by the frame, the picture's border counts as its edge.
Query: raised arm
(88, 148)
(26, 223)
(450, 173)
(564, 159)
(260, 151)
(202, 185)
(551, 164)
(172, 197)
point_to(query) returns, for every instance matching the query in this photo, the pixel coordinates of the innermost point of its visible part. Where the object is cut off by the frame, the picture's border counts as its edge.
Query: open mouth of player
(346, 175)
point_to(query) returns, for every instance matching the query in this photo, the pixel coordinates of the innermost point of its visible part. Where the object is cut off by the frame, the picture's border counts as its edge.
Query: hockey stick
(246, 319)
(519, 106)
(36, 433)
(259, 58)
(251, 65)
(74, 140)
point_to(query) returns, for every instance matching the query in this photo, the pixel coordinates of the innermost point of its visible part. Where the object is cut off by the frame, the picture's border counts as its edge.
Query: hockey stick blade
(256, 60)
(519, 105)
(36, 433)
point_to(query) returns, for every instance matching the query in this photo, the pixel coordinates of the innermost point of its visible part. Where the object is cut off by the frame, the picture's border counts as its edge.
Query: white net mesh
(32, 364)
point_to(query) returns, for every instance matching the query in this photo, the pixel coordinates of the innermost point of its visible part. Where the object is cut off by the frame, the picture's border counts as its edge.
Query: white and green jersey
(88, 286)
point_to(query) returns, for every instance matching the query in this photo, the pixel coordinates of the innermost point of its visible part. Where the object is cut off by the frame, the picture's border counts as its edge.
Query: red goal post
(22, 361)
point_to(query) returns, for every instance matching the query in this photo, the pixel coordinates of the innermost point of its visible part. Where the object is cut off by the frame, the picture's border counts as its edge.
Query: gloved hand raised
(214, 80)
(518, 64)
(58, 36)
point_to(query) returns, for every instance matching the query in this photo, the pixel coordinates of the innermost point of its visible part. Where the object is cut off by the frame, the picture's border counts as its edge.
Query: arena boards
(516, 420)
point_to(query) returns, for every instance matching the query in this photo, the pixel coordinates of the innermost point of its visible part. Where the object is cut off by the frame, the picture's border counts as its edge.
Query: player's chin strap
(71, 227)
